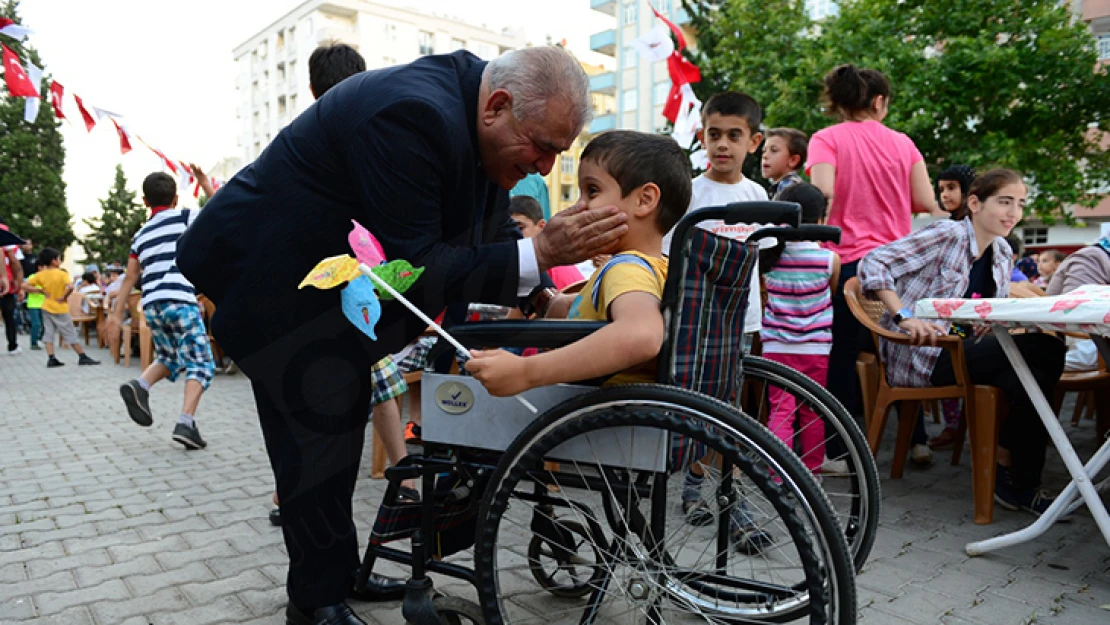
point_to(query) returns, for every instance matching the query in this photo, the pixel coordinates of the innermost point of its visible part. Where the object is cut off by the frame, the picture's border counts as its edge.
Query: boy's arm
(202, 180)
(130, 279)
(634, 337)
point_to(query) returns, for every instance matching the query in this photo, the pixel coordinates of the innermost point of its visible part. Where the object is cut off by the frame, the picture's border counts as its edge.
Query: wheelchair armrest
(804, 232)
(542, 334)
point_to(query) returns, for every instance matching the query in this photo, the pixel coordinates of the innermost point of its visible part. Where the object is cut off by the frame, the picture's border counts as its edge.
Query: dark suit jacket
(395, 149)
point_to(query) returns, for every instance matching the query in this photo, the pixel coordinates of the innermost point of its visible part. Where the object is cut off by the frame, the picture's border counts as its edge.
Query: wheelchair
(574, 515)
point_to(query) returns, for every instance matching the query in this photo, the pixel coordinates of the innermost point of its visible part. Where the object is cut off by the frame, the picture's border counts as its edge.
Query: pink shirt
(872, 203)
(564, 276)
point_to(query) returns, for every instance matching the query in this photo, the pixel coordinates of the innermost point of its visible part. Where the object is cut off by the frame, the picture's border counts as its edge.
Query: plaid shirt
(934, 262)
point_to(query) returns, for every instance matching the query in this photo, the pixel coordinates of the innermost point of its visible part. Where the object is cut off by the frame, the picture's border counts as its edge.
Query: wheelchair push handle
(804, 232)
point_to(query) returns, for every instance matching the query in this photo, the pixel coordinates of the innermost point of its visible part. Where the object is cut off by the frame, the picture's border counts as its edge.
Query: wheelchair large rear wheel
(854, 488)
(621, 457)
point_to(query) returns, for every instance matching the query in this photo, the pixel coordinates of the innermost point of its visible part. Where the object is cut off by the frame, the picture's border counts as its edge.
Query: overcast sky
(167, 68)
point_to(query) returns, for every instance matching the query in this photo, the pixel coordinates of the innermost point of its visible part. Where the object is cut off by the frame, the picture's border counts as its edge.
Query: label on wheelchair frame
(454, 398)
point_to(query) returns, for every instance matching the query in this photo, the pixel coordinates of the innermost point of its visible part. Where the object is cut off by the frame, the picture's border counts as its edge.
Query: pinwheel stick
(382, 284)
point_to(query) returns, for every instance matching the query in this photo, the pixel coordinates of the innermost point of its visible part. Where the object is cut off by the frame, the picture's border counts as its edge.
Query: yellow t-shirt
(54, 282)
(627, 272)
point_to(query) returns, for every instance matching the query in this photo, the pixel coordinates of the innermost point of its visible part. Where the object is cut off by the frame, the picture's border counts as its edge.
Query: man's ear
(498, 103)
(648, 200)
(757, 138)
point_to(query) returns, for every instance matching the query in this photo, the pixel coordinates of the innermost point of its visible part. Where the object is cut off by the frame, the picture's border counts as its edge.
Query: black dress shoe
(338, 614)
(275, 517)
(379, 588)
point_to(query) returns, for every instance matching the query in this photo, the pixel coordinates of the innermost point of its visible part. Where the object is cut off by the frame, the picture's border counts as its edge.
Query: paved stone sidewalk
(104, 522)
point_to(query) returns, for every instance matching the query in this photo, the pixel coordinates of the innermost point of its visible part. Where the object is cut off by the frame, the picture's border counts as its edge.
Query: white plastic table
(1086, 309)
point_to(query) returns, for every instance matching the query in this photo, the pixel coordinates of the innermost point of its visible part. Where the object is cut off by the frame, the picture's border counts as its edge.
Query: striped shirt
(932, 262)
(797, 318)
(155, 247)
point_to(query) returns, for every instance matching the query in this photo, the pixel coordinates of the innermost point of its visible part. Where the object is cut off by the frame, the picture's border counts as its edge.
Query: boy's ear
(173, 204)
(648, 199)
(541, 224)
(757, 138)
(795, 162)
(146, 202)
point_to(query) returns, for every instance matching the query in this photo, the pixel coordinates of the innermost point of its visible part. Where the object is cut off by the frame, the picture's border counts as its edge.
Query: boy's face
(728, 141)
(777, 159)
(598, 189)
(951, 195)
(528, 227)
(1046, 265)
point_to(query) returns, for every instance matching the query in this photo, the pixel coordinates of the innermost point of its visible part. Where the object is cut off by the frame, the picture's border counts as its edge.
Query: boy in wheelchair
(647, 177)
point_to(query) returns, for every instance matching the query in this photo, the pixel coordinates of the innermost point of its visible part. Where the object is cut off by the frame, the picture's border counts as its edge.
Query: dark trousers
(313, 414)
(1022, 433)
(849, 339)
(7, 308)
(35, 314)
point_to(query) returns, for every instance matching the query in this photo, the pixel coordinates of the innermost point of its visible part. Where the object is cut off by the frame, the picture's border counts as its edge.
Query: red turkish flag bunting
(90, 122)
(13, 30)
(681, 38)
(16, 77)
(56, 93)
(124, 140)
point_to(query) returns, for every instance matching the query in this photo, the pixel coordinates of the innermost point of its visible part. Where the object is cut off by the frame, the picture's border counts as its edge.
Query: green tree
(32, 192)
(120, 218)
(994, 82)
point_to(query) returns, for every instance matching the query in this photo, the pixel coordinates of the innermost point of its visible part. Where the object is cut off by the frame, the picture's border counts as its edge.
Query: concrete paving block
(88, 559)
(148, 584)
(93, 576)
(163, 601)
(54, 602)
(204, 593)
(127, 552)
(56, 582)
(265, 601)
(15, 608)
(73, 616)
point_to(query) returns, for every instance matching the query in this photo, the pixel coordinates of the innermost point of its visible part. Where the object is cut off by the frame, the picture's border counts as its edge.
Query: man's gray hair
(534, 76)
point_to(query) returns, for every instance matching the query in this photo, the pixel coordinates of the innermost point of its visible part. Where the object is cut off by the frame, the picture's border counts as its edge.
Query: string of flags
(24, 80)
(683, 108)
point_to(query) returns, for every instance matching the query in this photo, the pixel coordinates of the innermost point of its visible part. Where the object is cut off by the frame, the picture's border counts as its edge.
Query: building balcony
(604, 42)
(681, 17)
(601, 123)
(608, 7)
(1096, 10)
(604, 83)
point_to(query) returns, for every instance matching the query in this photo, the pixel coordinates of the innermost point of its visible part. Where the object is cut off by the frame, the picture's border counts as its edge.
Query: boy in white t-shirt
(730, 132)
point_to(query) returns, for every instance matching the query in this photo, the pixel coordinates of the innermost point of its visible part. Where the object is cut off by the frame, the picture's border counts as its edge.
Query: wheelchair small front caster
(458, 611)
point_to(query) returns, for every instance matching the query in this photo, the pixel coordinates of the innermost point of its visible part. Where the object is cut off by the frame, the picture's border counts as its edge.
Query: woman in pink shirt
(874, 179)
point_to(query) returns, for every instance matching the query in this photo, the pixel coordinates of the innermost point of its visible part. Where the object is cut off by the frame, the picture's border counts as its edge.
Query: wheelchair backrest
(706, 295)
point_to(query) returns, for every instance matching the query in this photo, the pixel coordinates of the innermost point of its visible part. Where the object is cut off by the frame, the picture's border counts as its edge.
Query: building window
(660, 92)
(1104, 47)
(458, 44)
(630, 11)
(628, 57)
(1035, 236)
(427, 45)
(281, 73)
(390, 31)
(279, 45)
(663, 6)
(293, 104)
(565, 192)
(283, 110)
(566, 164)
(292, 36)
(628, 100)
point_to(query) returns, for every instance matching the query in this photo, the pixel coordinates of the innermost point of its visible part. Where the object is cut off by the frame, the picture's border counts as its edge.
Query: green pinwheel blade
(399, 274)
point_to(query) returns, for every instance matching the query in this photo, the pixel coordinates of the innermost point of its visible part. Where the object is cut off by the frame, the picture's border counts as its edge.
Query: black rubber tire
(642, 405)
(453, 610)
(866, 476)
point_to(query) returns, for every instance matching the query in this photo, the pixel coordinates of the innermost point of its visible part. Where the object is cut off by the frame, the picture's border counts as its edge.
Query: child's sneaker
(748, 537)
(835, 468)
(85, 360)
(412, 433)
(189, 436)
(15, 352)
(54, 362)
(137, 400)
(35, 347)
(1035, 502)
(697, 512)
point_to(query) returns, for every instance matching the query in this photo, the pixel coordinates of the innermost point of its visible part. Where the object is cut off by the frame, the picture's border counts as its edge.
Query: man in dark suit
(422, 155)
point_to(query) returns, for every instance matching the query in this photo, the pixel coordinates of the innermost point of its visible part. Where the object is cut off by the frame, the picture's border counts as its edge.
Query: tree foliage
(120, 218)
(994, 82)
(32, 192)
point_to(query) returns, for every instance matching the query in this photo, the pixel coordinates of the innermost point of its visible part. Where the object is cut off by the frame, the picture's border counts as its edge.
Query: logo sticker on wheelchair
(454, 398)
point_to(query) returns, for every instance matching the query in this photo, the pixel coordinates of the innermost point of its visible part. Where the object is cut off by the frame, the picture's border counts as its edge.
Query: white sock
(143, 384)
(187, 419)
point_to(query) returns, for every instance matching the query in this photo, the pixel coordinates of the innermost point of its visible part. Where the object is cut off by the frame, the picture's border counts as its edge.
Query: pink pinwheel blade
(366, 248)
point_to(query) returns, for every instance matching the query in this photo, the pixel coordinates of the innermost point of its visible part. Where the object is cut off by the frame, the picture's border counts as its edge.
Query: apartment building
(272, 82)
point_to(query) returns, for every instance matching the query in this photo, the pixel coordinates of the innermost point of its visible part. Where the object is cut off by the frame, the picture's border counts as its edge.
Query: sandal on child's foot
(697, 513)
(944, 440)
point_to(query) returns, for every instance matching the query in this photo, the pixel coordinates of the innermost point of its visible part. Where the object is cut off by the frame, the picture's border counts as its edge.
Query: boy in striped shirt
(170, 306)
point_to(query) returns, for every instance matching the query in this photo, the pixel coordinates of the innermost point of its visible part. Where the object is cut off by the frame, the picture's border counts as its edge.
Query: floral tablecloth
(1086, 309)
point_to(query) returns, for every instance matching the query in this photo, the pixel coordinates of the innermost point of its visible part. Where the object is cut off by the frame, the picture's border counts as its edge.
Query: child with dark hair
(1047, 263)
(528, 215)
(53, 282)
(784, 155)
(797, 322)
(170, 306)
(331, 64)
(646, 177)
(953, 184)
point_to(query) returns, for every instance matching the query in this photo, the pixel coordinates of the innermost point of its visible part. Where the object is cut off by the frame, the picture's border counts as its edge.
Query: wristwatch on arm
(901, 315)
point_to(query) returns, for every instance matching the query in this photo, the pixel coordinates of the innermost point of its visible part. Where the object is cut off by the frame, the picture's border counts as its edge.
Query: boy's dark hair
(159, 189)
(331, 64)
(797, 143)
(1017, 246)
(89, 277)
(849, 90)
(1056, 255)
(47, 256)
(814, 208)
(735, 104)
(634, 159)
(527, 207)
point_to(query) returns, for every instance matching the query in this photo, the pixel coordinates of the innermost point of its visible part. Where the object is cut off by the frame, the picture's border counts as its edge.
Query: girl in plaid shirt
(964, 259)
